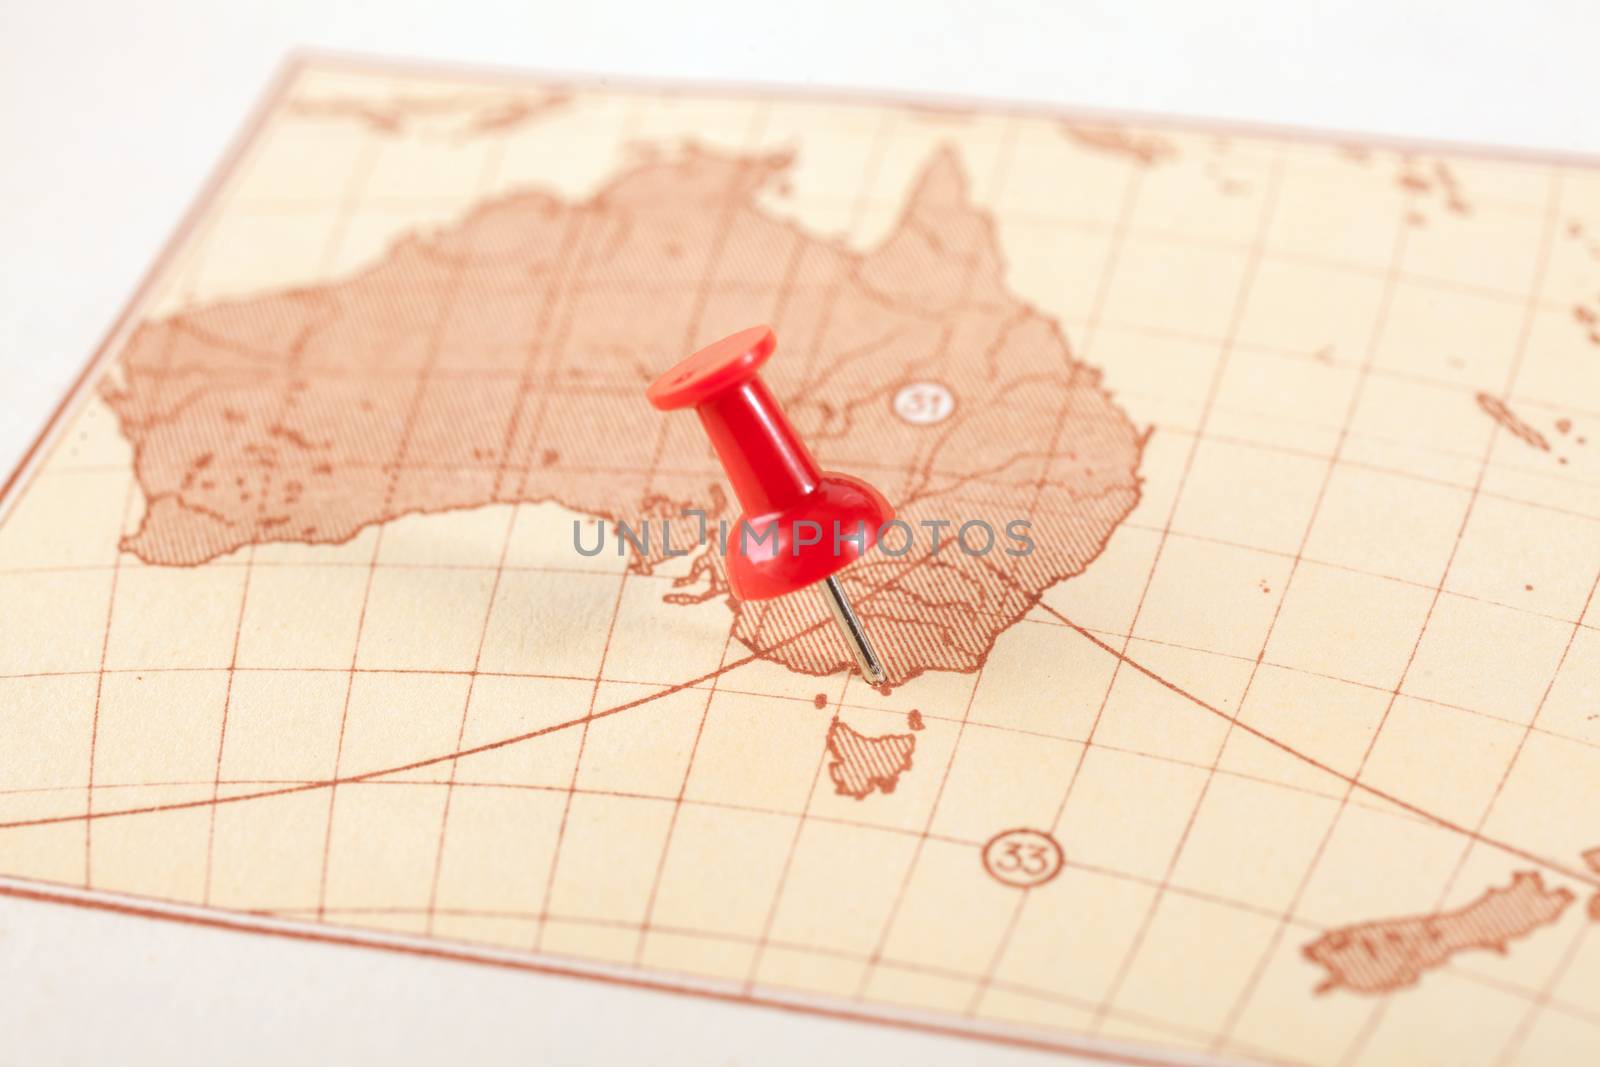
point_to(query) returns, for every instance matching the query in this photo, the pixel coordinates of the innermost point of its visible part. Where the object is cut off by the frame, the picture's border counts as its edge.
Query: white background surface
(112, 114)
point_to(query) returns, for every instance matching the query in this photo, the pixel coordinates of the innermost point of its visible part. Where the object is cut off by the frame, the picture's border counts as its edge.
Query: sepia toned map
(1281, 745)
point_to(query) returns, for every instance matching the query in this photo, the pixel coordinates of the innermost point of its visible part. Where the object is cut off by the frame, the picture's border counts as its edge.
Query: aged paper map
(1282, 746)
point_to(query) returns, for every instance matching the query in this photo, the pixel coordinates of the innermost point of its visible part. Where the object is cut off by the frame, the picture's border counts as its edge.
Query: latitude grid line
(1072, 626)
(887, 827)
(1566, 1008)
(881, 828)
(1278, 352)
(1578, 622)
(1000, 727)
(1186, 535)
(1168, 237)
(1267, 446)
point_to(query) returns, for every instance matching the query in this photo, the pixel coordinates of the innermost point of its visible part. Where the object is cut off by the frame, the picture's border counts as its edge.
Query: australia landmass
(1390, 954)
(503, 359)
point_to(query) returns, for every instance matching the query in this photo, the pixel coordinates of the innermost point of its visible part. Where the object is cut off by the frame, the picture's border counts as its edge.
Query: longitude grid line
(1536, 283)
(191, 268)
(1241, 1004)
(1236, 320)
(447, 310)
(1215, 384)
(879, 148)
(583, 735)
(539, 346)
(780, 890)
(1546, 990)
(691, 329)
(1004, 159)
(760, 117)
(1108, 268)
(337, 231)
(534, 351)
(1544, 997)
(99, 689)
(1332, 461)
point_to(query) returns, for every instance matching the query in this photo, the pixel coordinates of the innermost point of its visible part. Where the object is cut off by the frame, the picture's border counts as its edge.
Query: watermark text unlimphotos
(895, 538)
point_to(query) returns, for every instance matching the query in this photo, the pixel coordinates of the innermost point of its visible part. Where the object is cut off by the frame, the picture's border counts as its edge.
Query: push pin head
(801, 525)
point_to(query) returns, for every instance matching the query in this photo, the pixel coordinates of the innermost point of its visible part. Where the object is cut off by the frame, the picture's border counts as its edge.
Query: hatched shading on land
(472, 366)
(862, 763)
(1390, 954)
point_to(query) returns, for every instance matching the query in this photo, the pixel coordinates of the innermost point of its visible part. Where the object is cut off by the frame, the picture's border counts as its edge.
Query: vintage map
(1283, 746)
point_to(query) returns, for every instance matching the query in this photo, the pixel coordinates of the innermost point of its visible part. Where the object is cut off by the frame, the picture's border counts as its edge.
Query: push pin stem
(849, 625)
(801, 525)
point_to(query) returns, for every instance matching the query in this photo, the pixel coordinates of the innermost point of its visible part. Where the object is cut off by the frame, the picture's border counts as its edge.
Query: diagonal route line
(1349, 780)
(1357, 1046)
(397, 469)
(569, 235)
(291, 368)
(1554, 865)
(1114, 250)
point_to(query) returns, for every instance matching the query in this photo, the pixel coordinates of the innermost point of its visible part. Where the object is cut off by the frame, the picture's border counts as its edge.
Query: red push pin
(801, 526)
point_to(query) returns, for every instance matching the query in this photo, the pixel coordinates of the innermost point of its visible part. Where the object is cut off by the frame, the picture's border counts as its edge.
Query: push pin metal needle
(801, 525)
